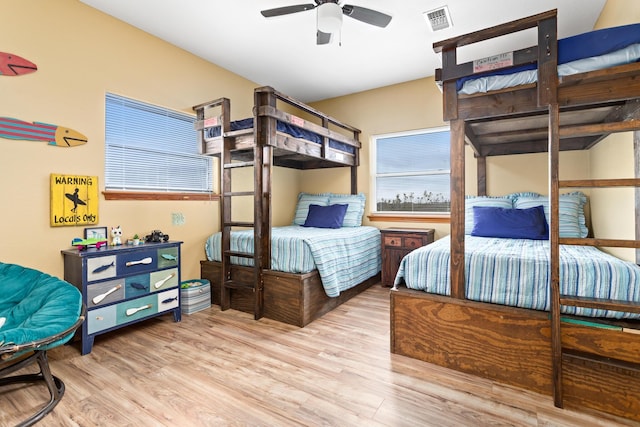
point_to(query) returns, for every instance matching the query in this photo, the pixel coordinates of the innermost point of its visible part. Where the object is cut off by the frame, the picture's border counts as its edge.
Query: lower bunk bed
(502, 331)
(313, 269)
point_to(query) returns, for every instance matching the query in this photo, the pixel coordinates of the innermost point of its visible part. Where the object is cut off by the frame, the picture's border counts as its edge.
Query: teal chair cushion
(35, 306)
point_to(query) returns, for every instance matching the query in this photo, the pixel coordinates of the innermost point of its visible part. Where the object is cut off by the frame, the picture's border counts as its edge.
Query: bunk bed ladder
(561, 300)
(229, 283)
(204, 121)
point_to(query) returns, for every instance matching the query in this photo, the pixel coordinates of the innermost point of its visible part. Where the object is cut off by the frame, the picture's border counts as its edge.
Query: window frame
(400, 216)
(151, 194)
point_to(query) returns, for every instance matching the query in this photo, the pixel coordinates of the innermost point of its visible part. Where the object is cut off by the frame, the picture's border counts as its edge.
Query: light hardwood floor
(225, 369)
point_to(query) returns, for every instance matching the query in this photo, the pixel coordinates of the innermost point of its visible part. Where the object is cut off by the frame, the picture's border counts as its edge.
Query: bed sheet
(344, 257)
(287, 128)
(590, 51)
(515, 272)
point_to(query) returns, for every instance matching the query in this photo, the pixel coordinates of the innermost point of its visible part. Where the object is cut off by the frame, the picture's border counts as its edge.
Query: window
(152, 149)
(411, 172)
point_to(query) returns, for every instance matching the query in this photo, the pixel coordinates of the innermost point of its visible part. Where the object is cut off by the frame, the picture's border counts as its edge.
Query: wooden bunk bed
(580, 365)
(291, 298)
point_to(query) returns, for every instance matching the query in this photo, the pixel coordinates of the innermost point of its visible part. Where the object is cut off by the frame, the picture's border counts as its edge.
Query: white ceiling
(282, 51)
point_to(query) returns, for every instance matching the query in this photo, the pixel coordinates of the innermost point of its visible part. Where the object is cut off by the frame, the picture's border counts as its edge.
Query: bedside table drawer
(394, 241)
(413, 242)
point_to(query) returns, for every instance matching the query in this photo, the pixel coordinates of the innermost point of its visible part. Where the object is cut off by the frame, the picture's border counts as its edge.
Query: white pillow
(571, 209)
(471, 201)
(355, 210)
(302, 208)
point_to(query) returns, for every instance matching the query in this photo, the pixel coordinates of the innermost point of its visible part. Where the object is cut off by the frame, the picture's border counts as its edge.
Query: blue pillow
(471, 201)
(330, 216)
(510, 223)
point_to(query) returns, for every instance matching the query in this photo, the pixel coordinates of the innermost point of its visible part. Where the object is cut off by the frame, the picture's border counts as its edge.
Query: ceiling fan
(329, 14)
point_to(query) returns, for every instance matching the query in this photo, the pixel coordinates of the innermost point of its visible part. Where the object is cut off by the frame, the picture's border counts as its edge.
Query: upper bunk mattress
(515, 272)
(344, 257)
(289, 129)
(590, 51)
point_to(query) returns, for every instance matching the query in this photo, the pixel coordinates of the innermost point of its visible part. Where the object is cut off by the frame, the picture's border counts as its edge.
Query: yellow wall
(406, 106)
(618, 12)
(613, 209)
(82, 53)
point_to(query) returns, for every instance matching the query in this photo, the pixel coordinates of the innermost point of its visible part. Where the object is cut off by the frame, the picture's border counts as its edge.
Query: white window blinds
(411, 171)
(150, 148)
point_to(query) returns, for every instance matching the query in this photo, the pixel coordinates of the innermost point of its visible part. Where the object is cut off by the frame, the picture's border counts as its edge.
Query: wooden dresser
(396, 243)
(122, 285)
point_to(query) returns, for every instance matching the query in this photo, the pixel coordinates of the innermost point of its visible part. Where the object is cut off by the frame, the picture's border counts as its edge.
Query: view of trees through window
(412, 171)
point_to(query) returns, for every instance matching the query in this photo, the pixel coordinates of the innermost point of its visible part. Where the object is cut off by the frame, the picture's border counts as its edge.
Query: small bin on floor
(195, 295)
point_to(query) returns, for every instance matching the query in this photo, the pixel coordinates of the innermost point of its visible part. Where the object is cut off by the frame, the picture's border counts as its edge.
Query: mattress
(515, 272)
(344, 257)
(590, 51)
(289, 129)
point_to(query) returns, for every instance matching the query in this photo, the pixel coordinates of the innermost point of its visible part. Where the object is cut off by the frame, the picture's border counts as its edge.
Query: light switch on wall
(177, 218)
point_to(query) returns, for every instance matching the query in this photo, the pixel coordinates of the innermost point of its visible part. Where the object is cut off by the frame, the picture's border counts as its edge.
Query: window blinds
(150, 148)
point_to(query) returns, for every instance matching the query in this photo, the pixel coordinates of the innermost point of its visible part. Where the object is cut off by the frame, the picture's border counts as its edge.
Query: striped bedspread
(515, 272)
(343, 257)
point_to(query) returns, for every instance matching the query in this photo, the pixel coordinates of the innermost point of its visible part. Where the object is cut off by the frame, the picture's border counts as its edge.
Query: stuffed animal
(116, 236)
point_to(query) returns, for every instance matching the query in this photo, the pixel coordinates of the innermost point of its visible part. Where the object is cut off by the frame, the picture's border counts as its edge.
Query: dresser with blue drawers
(122, 285)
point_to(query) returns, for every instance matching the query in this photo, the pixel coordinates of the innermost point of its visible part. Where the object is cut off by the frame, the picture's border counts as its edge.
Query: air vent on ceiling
(438, 19)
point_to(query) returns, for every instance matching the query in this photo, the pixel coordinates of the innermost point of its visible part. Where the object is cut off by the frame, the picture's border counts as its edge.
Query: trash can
(195, 295)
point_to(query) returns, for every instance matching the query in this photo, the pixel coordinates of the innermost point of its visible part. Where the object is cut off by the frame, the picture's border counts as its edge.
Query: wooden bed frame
(580, 366)
(296, 299)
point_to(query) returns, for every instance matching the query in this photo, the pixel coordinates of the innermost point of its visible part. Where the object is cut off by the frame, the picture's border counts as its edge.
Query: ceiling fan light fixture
(329, 17)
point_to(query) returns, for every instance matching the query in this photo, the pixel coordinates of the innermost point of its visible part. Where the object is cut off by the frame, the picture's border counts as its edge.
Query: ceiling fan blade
(286, 10)
(323, 38)
(365, 15)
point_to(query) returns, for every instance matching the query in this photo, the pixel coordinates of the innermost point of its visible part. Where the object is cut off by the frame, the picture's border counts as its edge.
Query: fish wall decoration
(36, 131)
(14, 65)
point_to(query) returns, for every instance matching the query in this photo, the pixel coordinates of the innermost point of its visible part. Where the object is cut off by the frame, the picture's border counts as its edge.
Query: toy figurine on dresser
(116, 236)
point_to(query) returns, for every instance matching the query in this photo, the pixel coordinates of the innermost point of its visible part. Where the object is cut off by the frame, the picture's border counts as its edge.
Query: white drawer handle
(132, 311)
(163, 281)
(98, 298)
(147, 260)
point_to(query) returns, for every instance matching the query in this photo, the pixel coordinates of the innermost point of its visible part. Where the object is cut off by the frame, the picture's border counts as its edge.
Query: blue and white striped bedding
(594, 50)
(486, 84)
(515, 272)
(344, 257)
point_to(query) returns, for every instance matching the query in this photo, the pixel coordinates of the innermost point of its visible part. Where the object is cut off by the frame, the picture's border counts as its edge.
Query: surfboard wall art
(74, 200)
(14, 65)
(53, 134)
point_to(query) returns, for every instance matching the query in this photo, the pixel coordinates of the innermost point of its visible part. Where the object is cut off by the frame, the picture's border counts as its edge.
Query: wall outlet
(177, 218)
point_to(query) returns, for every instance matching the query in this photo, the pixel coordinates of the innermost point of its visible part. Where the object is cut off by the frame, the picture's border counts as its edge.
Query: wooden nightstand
(396, 243)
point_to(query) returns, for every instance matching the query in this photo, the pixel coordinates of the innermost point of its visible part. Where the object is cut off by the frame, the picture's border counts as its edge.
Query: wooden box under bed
(295, 299)
(513, 346)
